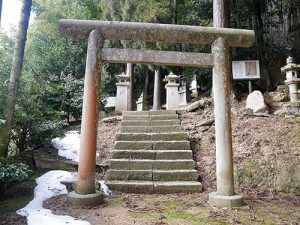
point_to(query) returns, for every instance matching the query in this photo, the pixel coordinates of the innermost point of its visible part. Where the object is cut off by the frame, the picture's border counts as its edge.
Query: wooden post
(89, 123)
(250, 86)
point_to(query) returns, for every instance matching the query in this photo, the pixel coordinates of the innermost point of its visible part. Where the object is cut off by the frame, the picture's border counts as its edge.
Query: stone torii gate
(221, 39)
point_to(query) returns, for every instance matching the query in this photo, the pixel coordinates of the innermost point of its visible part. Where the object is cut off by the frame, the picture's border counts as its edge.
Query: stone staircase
(152, 155)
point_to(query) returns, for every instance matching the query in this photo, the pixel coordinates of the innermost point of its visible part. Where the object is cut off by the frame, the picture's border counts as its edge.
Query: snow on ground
(68, 147)
(48, 185)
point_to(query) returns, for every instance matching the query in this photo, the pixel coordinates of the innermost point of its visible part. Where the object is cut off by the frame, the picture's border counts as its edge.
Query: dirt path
(180, 209)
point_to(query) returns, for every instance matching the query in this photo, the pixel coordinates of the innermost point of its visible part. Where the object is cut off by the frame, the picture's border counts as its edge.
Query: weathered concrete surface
(173, 154)
(137, 164)
(155, 145)
(152, 136)
(133, 31)
(175, 175)
(122, 97)
(93, 199)
(152, 154)
(134, 169)
(162, 112)
(151, 129)
(127, 145)
(151, 117)
(155, 187)
(133, 154)
(172, 145)
(135, 56)
(150, 123)
(147, 113)
(221, 90)
(173, 164)
(226, 201)
(153, 175)
(145, 187)
(143, 175)
(177, 186)
(134, 113)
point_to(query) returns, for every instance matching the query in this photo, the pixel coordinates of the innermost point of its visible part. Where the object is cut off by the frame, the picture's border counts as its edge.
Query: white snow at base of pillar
(48, 185)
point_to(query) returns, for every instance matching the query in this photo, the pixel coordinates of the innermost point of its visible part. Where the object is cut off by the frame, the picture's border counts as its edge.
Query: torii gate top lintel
(112, 30)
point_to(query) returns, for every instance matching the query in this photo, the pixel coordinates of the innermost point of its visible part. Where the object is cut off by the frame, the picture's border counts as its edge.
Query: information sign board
(245, 70)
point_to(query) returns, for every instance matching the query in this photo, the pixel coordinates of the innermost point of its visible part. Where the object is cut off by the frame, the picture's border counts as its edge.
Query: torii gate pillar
(225, 196)
(86, 193)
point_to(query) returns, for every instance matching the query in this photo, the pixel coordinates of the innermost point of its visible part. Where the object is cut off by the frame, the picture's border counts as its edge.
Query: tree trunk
(15, 74)
(175, 5)
(0, 12)
(260, 46)
(295, 28)
(130, 91)
(221, 13)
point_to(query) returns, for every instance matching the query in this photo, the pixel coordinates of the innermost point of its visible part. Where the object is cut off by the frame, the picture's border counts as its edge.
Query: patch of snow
(48, 185)
(105, 190)
(68, 146)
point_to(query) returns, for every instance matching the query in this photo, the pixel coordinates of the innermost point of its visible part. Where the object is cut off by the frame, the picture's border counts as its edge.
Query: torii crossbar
(221, 39)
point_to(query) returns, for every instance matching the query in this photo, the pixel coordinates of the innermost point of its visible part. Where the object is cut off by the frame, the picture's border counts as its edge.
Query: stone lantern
(172, 91)
(182, 94)
(290, 69)
(122, 92)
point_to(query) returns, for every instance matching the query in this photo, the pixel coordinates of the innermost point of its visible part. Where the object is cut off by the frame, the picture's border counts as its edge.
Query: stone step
(151, 117)
(150, 129)
(152, 154)
(152, 145)
(153, 175)
(155, 187)
(168, 187)
(145, 164)
(148, 113)
(150, 122)
(142, 175)
(175, 175)
(179, 136)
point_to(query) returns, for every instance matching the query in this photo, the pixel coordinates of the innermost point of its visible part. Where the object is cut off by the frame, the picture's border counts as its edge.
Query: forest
(51, 86)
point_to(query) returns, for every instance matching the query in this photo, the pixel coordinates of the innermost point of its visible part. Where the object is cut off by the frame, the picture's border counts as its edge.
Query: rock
(291, 108)
(261, 114)
(255, 101)
(189, 127)
(195, 105)
(282, 89)
(248, 112)
(208, 160)
(206, 123)
(279, 96)
(112, 119)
